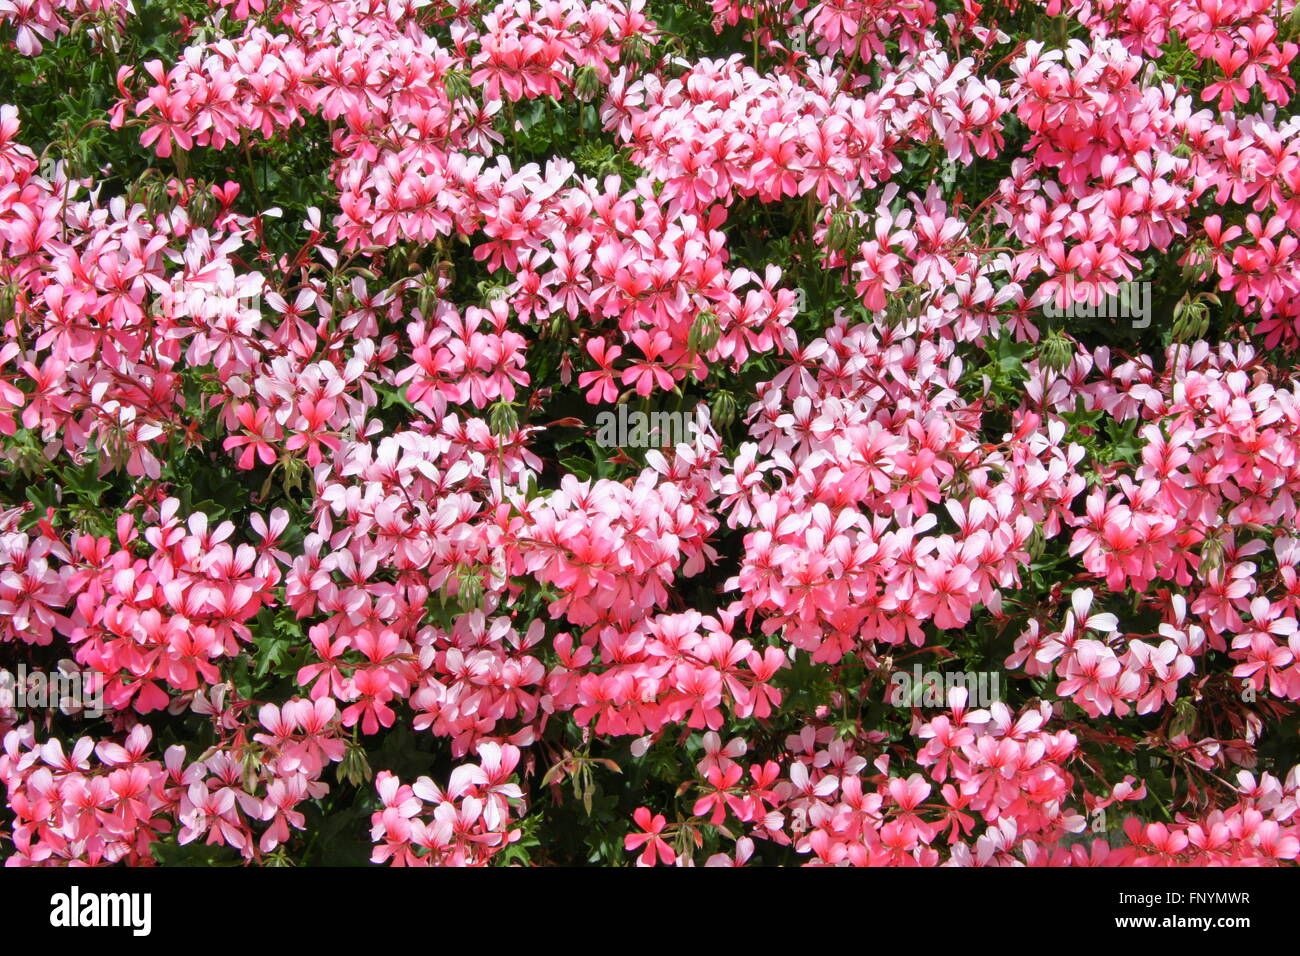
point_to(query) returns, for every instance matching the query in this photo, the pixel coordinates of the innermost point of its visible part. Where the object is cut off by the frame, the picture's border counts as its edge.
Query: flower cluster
(469, 822)
(302, 338)
(38, 22)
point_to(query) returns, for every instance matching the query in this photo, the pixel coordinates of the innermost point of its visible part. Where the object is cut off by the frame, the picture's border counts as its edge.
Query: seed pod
(900, 307)
(156, 199)
(138, 192)
(294, 469)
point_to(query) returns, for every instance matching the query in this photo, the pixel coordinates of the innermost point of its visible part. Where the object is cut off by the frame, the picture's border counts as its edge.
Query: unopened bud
(8, 301)
(1212, 552)
(491, 291)
(722, 410)
(704, 333)
(1196, 265)
(1056, 350)
(558, 328)
(586, 83)
(1191, 319)
(251, 766)
(502, 419)
(469, 590)
(636, 50)
(355, 768)
(457, 86)
(427, 295)
(841, 231)
(202, 208)
(1184, 720)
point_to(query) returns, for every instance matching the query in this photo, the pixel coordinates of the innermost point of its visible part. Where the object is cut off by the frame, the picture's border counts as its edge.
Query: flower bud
(1036, 545)
(839, 232)
(491, 291)
(502, 418)
(586, 83)
(424, 300)
(355, 768)
(636, 50)
(1191, 319)
(1212, 552)
(250, 764)
(457, 86)
(559, 328)
(8, 301)
(202, 208)
(705, 332)
(722, 409)
(1196, 265)
(1184, 719)
(1056, 351)
(469, 590)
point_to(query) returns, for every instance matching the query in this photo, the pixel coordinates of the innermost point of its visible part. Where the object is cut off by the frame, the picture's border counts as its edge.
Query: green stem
(252, 178)
(853, 62)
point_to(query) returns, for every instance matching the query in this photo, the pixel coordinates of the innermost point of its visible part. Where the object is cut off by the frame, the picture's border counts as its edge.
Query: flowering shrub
(308, 308)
